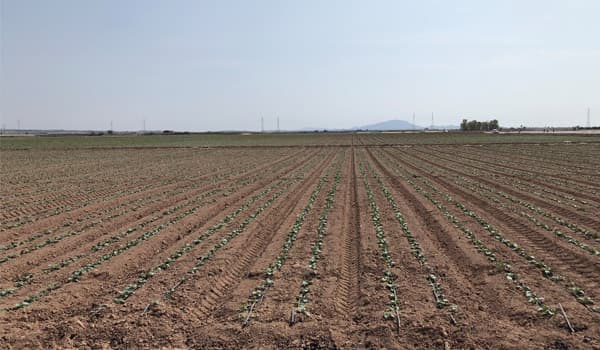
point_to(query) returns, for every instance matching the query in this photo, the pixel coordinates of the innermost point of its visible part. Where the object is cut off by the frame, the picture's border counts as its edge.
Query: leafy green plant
(259, 291)
(532, 297)
(303, 297)
(389, 278)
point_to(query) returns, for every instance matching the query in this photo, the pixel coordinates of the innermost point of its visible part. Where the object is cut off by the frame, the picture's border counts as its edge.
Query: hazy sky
(210, 65)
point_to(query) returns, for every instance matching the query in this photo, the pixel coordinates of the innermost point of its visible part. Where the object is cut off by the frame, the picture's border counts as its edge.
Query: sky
(222, 65)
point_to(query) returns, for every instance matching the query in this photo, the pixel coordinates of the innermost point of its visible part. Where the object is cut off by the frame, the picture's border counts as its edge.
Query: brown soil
(191, 190)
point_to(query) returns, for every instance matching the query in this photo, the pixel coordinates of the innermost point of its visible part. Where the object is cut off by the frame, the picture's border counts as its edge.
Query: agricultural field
(364, 240)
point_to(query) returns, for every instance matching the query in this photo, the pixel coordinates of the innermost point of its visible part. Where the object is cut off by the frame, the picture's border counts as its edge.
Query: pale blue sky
(210, 65)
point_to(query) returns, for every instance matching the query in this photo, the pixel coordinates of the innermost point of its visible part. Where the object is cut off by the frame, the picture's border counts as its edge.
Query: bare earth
(356, 246)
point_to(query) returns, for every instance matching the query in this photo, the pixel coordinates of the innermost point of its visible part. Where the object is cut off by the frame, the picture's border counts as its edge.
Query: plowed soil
(286, 247)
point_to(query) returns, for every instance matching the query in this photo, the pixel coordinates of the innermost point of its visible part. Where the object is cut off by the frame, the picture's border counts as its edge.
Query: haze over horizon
(221, 65)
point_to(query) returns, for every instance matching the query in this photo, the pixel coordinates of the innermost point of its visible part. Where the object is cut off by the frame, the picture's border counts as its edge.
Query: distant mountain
(387, 125)
(391, 125)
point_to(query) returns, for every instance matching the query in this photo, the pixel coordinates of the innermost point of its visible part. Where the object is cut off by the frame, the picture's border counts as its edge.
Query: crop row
(147, 234)
(573, 160)
(21, 282)
(259, 291)
(193, 183)
(85, 269)
(508, 169)
(133, 205)
(388, 278)
(68, 261)
(543, 191)
(499, 176)
(475, 186)
(432, 278)
(303, 299)
(521, 165)
(145, 276)
(20, 221)
(83, 175)
(116, 238)
(143, 200)
(536, 209)
(531, 296)
(546, 270)
(58, 238)
(564, 236)
(561, 221)
(230, 189)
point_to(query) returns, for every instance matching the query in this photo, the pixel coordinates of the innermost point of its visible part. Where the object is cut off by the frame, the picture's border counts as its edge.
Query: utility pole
(588, 125)
(277, 123)
(262, 124)
(144, 125)
(111, 126)
(432, 124)
(18, 124)
(414, 126)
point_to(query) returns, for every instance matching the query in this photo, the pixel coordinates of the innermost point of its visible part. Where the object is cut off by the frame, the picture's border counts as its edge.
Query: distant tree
(472, 125)
(476, 125)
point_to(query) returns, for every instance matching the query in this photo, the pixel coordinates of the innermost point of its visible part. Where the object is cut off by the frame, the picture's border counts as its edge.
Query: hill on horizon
(388, 125)
(393, 124)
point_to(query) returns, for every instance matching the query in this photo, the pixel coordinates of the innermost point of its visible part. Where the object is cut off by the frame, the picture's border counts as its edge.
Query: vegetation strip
(68, 261)
(147, 275)
(78, 273)
(215, 178)
(432, 279)
(75, 275)
(563, 236)
(22, 281)
(120, 194)
(66, 208)
(302, 299)
(518, 173)
(259, 291)
(588, 234)
(532, 297)
(56, 239)
(230, 188)
(114, 239)
(561, 221)
(15, 244)
(546, 270)
(538, 210)
(389, 278)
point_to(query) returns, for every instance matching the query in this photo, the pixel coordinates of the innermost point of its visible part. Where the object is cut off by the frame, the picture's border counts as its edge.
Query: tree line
(476, 125)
